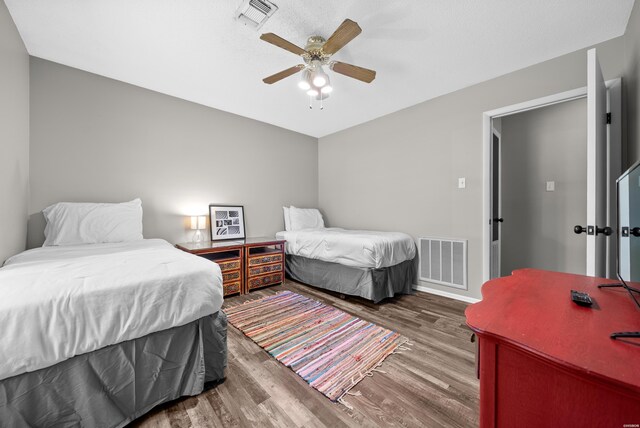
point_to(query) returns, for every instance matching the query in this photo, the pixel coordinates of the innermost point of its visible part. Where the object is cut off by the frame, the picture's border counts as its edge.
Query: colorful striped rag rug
(328, 348)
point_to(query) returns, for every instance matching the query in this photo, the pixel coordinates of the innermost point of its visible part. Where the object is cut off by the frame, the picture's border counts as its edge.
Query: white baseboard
(445, 294)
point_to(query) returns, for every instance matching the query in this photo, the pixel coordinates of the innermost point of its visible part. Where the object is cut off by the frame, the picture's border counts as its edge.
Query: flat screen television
(628, 186)
(629, 223)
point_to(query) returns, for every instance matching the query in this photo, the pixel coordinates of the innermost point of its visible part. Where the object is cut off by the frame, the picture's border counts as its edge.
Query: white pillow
(287, 222)
(71, 223)
(300, 218)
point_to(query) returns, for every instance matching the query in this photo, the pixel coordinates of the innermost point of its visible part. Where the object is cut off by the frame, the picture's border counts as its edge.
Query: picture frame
(226, 222)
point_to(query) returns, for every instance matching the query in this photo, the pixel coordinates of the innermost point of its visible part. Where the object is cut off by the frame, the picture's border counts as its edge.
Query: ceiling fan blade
(282, 43)
(346, 32)
(281, 75)
(363, 74)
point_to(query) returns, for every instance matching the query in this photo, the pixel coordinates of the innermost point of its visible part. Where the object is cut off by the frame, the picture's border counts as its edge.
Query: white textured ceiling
(197, 51)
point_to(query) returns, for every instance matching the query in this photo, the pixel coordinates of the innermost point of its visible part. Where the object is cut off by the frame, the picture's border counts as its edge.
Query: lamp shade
(320, 78)
(327, 89)
(305, 78)
(198, 222)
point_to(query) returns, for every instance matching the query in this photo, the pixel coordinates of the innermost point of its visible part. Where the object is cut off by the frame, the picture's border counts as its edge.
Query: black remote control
(582, 299)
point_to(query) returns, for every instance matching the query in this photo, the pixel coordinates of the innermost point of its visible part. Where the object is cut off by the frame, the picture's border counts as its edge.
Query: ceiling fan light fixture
(319, 81)
(304, 85)
(304, 82)
(326, 89)
(320, 78)
(313, 92)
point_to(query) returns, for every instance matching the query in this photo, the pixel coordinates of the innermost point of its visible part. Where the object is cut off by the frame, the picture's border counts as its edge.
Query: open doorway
(541, 193)
(540, 232)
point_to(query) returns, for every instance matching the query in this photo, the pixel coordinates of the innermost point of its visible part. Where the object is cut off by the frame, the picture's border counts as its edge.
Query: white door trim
(495, 249)
(614, 168)
(487, 135)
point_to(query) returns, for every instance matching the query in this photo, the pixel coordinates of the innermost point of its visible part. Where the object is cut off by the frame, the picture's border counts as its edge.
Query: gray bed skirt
(112, 386)
(369, 283)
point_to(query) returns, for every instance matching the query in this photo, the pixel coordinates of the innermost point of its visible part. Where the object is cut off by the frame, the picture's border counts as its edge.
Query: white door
(496, 208)
(596, 167)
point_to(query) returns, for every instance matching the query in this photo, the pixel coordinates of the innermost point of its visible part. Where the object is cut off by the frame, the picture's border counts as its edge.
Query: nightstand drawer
(261, 270)
(231, 276)
(245, 265)
(263, 281)
(265, 259)
(232, 287)
(230, 265)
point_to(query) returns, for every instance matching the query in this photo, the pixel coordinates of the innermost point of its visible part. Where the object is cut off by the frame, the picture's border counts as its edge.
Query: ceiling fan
(316, 54)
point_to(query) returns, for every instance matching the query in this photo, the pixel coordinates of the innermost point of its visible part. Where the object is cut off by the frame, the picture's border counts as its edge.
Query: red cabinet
(546, 362)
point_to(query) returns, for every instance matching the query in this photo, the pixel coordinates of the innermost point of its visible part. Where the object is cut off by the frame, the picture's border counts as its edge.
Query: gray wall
(14, 137)
(399, 172)
(97, 139)
(631, 86)
(546, 144)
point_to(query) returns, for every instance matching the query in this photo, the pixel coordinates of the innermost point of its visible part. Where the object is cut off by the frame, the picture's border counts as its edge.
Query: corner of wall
(14, 137)
(631, 89)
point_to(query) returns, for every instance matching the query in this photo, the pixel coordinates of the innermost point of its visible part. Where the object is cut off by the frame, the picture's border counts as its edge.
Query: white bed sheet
(355, 248)
(58, 302)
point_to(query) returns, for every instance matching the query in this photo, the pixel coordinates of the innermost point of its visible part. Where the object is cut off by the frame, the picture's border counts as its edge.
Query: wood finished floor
(433, 385)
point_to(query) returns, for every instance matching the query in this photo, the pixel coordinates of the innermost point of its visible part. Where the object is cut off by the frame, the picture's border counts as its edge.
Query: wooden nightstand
(246, 264)
(229, 255)
(264, 262)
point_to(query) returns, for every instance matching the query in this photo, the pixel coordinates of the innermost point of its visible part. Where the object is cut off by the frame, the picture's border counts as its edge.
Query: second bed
(368, 264)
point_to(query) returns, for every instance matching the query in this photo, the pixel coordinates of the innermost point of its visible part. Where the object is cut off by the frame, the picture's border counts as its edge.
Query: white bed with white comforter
(369, 264)
(59, 302)
(355, 248)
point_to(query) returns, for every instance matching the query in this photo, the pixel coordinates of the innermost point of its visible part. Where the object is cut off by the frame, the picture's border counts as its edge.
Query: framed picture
(227, 222)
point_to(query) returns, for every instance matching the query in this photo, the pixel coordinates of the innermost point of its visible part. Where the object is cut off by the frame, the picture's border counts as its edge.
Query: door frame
(614, 97)
(498, 250)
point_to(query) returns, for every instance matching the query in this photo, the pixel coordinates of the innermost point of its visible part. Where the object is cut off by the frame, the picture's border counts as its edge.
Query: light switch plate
(462, 183)
(551, 186)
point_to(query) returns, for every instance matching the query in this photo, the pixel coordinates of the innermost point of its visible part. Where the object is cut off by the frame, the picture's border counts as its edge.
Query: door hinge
(608, 118)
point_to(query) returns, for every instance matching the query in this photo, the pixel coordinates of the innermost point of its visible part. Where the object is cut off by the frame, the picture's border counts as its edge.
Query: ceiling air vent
(255, 12)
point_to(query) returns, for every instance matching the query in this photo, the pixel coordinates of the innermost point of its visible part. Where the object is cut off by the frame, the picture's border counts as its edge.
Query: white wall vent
(443, 261)
(255, 12)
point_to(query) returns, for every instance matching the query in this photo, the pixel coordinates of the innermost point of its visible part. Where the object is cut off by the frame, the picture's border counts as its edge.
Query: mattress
(58, 302)
(354, 248)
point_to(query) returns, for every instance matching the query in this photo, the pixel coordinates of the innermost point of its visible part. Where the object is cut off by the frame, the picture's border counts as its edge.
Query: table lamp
(198, 223)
